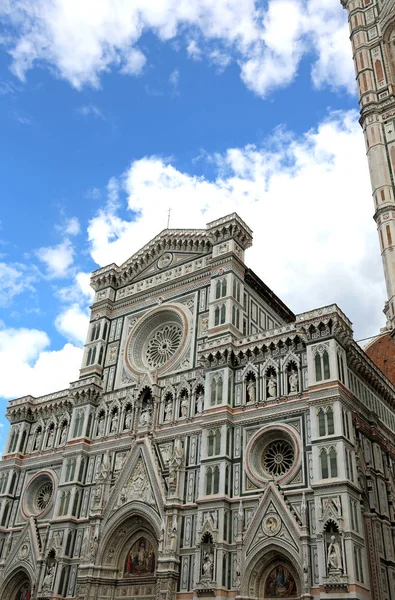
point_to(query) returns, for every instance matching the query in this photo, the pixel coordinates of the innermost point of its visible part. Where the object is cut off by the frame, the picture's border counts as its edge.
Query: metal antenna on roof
(168, 218)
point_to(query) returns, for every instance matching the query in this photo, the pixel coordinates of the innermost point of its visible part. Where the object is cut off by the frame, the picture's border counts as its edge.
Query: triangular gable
(167, 261)
(272, 519)
(25, 548)
(139, 480)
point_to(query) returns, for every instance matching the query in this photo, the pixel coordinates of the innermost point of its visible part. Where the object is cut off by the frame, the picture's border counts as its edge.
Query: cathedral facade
(215, 444)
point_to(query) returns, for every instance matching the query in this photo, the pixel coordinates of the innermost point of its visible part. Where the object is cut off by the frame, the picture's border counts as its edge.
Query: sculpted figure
(168, 410)
(101, 425)
(271, 387)
(128, 419)
(293, 381)
(48, 579)
(334, 555)
(184, 407)
(63, 435)
(199, 402)
(37, 443)
(51, 435)
(251, 395)
(114, 422)
(208, 564)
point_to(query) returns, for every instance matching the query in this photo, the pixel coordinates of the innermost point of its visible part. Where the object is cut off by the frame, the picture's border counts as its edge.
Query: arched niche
(122, 528)
(273, 572)
(17, 585)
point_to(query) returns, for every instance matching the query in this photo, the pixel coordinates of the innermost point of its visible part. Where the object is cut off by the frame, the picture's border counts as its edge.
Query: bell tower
(372, 34)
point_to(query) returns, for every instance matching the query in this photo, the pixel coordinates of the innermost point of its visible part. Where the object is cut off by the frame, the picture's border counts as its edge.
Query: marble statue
(334, 561)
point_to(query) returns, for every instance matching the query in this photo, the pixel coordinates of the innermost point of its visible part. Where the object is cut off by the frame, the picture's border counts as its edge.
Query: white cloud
(308, 203)
(87, 110)
(174, 79)
(29, 368)
(14, 280)
(82, 40)
(73, 323)
(72, 226)
(58, 259)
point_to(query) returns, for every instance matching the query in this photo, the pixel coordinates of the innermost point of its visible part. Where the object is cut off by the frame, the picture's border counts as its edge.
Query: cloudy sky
(112, 112)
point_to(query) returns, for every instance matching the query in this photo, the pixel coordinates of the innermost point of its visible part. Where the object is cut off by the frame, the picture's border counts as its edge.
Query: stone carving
(101, 425)
(184, 406)
(37, 441)
(334, 562)
(63, 435)
(175, 463)
(168, 410)
(200, 402)
(208, 565)
(49, 576)
(114, 422)
(271, 387)
(145, 417)
(138, 487)
(293, 381)
(251, 391)
(128, 419)
(51, 435)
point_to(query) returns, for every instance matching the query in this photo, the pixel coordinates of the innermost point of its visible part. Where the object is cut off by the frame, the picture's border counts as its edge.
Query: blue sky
(112, 112)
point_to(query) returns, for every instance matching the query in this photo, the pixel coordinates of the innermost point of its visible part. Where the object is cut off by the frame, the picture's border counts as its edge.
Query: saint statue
(199, 402)
(48, 579)
(101, 425)
(251, 395)
(208, 564)
(271, 387)
(184, 407)
(63, 435)
(168, 410)
(51, 435)
(114, 422)
(128, 419)
(334, 555)
(37, 442)
(293, 381)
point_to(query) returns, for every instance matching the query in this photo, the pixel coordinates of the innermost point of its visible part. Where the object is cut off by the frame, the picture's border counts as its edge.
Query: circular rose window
(38, 495)
(158, 340)
(273, 452)
(278, 458)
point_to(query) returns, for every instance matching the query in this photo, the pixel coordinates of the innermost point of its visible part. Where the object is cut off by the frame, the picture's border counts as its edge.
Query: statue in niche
(271, 387)
(184, 406)
(168, 409)
(84, 547)
(208, 565)
(251, 391)
(128, 419)
(175, 462)
(114, 422)
(37, 442)
(145, 417)
(51, 435)
(63, 435)
(58, 538)
(49, 577)
(101, 425)
(334, 562)
(200, 402)
(93, 547)
(293, 381)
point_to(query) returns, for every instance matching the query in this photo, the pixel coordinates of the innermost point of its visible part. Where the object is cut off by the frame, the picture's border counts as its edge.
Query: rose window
(163, 345)
(159, 340)
(38, 495)
(44, 496)
(279, 458)
(273, 452)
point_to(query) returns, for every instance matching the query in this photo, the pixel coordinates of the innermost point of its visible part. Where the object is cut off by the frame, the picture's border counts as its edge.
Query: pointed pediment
(272, 520)
(171, 248)
(139, 480)
(25, 548)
